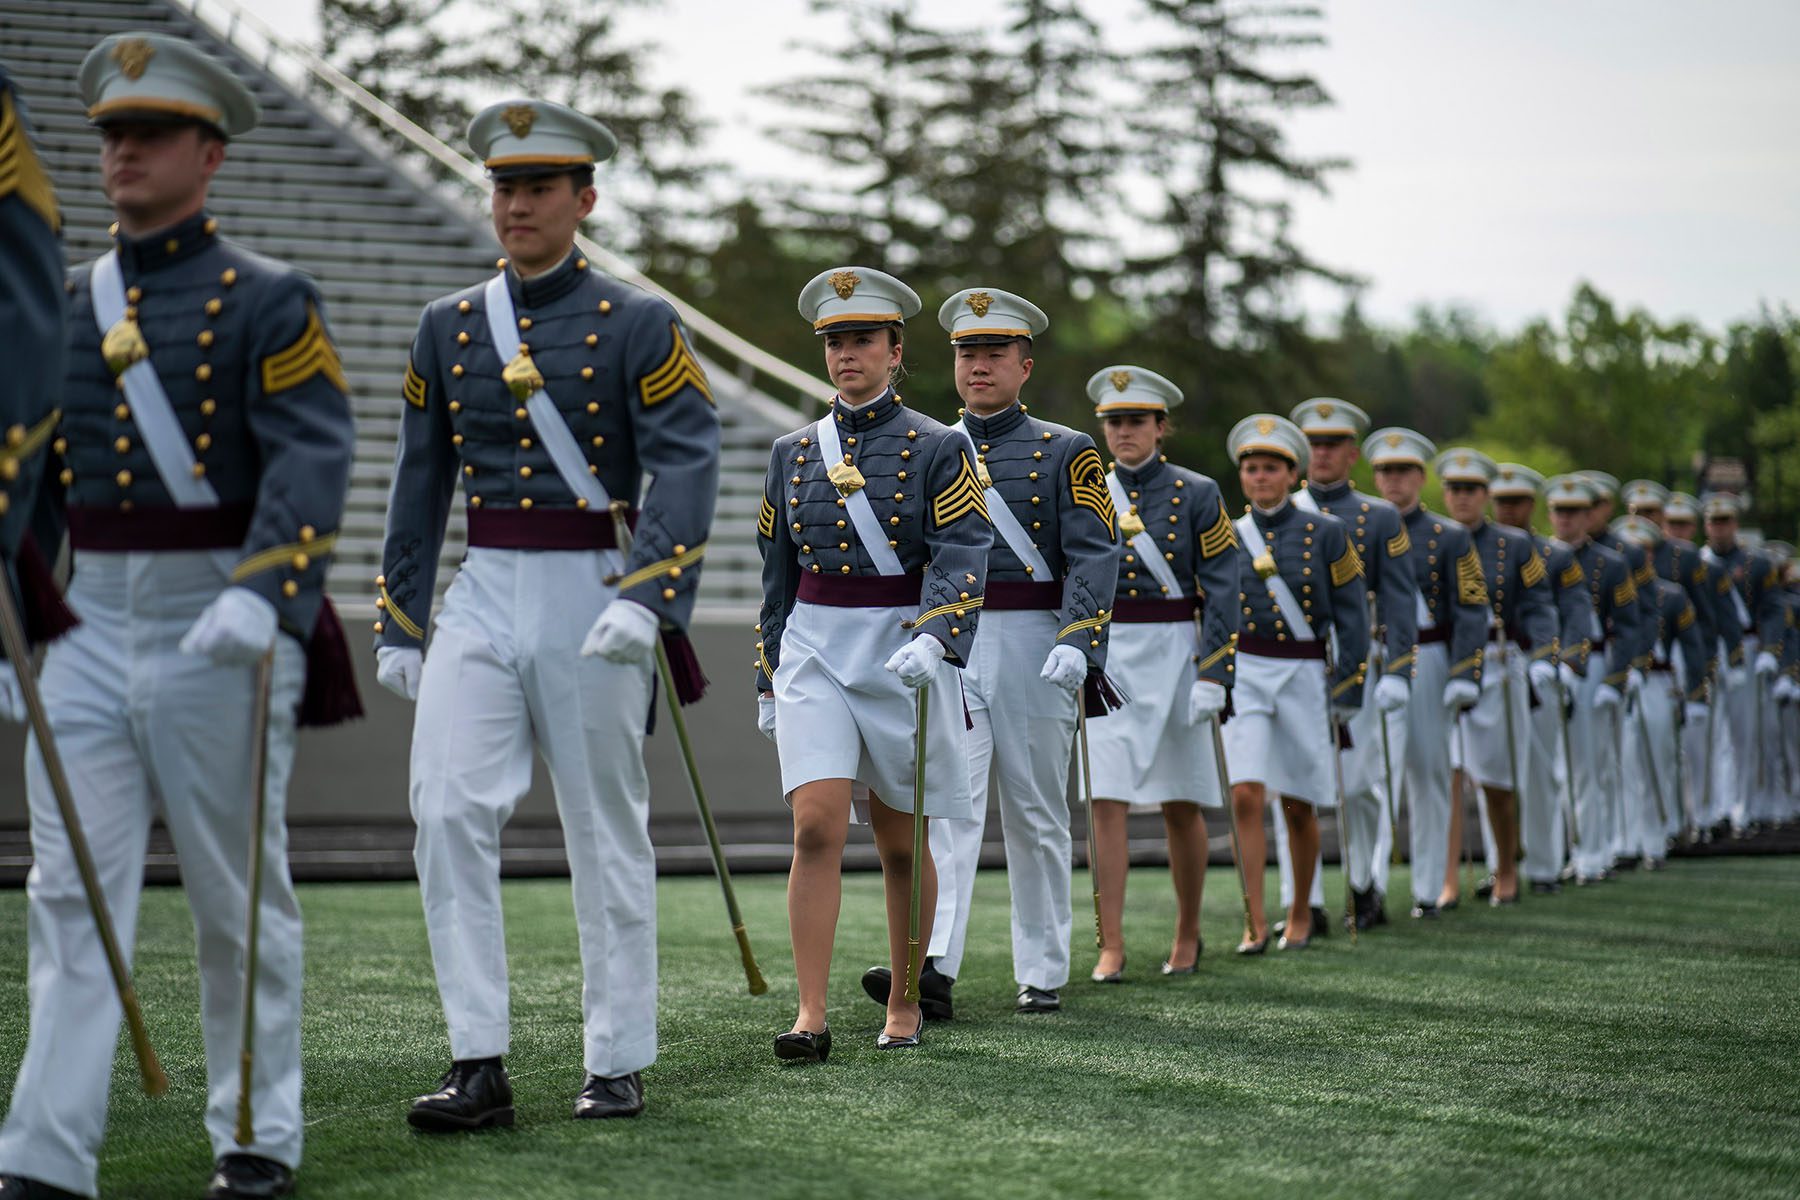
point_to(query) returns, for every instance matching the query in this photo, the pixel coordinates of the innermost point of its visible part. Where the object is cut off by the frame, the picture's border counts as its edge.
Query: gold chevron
(681, 369)
(1347, 567)
(765, 520)
(961, 498)
(414, 387)
(20, 170)
(1087, 488)
(399, 618)
(662, 569)
(1533, 572)
(311, 354)
(1220, 538)
(313, 551)
(1572, 575)
(1399, 544)
(1471, 583)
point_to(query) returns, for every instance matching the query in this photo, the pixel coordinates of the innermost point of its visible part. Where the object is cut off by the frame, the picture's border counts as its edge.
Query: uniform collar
(165, 247)
(1476, 526)
(876, 412)
(1418, 514)
(552, 285)
(1329, 493)
(1144, 473)
(1273, 520)
(988, 429)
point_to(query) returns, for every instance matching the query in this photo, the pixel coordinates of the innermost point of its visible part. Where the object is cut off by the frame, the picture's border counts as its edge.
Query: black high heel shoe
(801, 1046)
(1169, 968)
(1250, 946)
(1118, 976)
(885, 1041)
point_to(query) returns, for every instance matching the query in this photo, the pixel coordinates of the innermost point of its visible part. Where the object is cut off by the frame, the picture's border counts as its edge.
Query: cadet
(32, 312)
(550, 389)
(1301, 663)
(1675, 688)
(1522, 639)
(1377, 732)
(202, 461)
(1755, 606)
(1543, 811)
(1715, 764)
(1446, 671)
(1594, 714)
(1048, 600)
(875, 540)
(1171, 653)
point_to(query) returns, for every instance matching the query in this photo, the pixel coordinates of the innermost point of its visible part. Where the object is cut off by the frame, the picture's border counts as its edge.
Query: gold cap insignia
(1324, 410)
(845, 478)
(1265, 426)
(124, 345)
(844, 283)
(519, 118)
(1462, 461)
(979, 303)
(1393, 440)
(1120, 380)
(1506, 473)
(522, 377)
(133, 56)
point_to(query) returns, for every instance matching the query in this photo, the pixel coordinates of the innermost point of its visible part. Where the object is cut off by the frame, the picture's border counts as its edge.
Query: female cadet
(1300, 658)
(874, 539)
(1170, 654)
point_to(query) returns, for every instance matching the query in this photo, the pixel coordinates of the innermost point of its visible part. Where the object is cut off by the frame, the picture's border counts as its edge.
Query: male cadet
(1050, 582)
(204, 455)
(32, 312)
(1757, 610)
(1334, 429)
(1593, 730)
(1676, 681)
(1493, 747)
(548, 390)
(1714, 760)
(1542, 815)
(1446, 669)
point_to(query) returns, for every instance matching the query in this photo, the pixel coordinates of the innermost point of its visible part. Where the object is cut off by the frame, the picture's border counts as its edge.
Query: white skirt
(1146, 752)
(841, 714)
(1484, 726)
(1278, 735)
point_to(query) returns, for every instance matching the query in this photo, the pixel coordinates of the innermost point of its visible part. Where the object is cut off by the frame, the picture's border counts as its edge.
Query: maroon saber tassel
(46, 616)
(331, 697)
(1099, 695)
(684, 667)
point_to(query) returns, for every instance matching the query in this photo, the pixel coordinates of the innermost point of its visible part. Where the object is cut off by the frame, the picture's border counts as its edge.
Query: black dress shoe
(17, 1187)
(886, 1041)
(1628, 863)
(802, 1046)
(1037, 1000)
(1321, 923)
(249, 1177)
(1485, 888)
(1424, 911)
(619, 1096)
(1445, 906)
(934, 990)
(1545, 887)
(473, 1094)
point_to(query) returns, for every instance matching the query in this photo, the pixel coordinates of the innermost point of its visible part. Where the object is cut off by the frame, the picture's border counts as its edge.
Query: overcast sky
(1504, 150)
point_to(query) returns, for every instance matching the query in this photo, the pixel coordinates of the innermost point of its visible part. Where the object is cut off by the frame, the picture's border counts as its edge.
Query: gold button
(203, 442)
(845, 569)
(905, 455)
(525, 503)
(593, 407)
(122, 444)
(134, 294)
(123, 478)
(208, 407)
(840, 524)
(680, 549)
(301, 562)
(843, 545)
(592, 339)
(499, 264)
(911, 434)
(524, 322)
(955, 632)
(67, 477)
(203, 372)
(804, 549)
(120, 411)
(308, 533)
(850, 441)
(524, 472)
(468, 470)
(172, 245)
(899, 495)
(581, 502)
(199, 470)
(901, 475)
(462, 339)
(893, 520)
(463, 306)
(587, 372)
(214, 307)
(1037, 454)
(456, 439)
(524, 443)
(456, 406)
(1034, 476)
(520, 413)
(605, 307)
(205, 338)
(668, 593)
(599, 441)
(457, 370)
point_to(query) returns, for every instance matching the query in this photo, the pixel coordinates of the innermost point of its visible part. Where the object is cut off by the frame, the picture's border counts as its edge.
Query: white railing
(301, 66)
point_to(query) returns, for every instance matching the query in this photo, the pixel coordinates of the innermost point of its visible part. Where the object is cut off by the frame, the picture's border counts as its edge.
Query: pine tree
(397, 50)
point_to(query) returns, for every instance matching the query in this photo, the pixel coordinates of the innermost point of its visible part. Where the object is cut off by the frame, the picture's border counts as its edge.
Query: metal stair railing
(301, 66)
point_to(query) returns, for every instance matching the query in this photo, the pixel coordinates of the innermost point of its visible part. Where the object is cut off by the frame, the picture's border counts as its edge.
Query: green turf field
(1638, 1039)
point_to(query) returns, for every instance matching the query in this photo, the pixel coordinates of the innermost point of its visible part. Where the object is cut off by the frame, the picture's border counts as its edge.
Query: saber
(920, 849)
(1387, 767)
(753, 975)
(1683, 797)
(1566, 698)
(1512, 745)
(1087, 796)
(1337, 778)
(1462, 777)
(12, 640)
(259, 753)
(1656, 788)
(1237, 859)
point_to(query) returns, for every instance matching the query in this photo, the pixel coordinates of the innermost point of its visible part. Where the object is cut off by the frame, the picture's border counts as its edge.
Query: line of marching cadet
(945, 607)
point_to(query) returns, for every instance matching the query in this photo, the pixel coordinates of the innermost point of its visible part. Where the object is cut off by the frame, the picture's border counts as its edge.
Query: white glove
(765, 716)
(1066, 667)
(1607, 696)
(234, 631)
(1391, 693)
(1737, 677)
(1206, 700)
(1634, 682)
(12, 696)
(1694, 711)
(1542, 675)
(1460, 694)
(397, 668)
(1766, 664)
(917, 661)
(1786, 690)
(1566, 675)
(625, 633)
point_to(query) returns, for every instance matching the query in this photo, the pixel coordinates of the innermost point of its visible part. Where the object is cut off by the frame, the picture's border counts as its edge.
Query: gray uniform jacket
(616, 363)
(1675, 624)
(1642, 572)
(1518, 587)
(1450, 577)
(1319, 563)
(1574, 604)
(923, 488)
(1679, 562)
(1053, 484)
(1184, 514)
(1616, 607)
(1757, 580)
(1381, 542)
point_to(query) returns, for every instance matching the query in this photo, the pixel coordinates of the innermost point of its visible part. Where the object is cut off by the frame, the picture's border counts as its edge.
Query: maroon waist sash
(1434, 635)
(1018, 595)
(1154, 612)
(1271, 648)
(861, 591)
(544, 528)
(110, 529)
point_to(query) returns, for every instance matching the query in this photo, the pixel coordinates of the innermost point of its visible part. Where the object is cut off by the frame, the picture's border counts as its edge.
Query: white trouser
(1724, 764)
(1596, 760)
(1696, 769)
(1648, 768)
(1426, 786)
(1740, 713)
(1541, 804)
(1485, 726)
(1023, 730)
(144, 730)
(502, 674)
